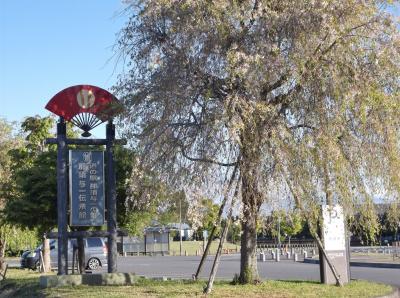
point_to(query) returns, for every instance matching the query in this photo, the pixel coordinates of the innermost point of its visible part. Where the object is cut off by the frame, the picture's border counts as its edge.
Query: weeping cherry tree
(296, 95)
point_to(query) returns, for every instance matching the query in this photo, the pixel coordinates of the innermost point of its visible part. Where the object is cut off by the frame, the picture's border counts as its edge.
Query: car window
(94, 242)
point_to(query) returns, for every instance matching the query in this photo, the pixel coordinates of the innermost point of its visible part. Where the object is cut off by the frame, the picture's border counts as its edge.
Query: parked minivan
(95, 254)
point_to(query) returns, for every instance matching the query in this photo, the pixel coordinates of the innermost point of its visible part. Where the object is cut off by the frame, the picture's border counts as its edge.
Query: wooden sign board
(86, 180)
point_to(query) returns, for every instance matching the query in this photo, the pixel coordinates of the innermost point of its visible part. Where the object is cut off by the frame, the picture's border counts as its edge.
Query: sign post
(111, 200)
(62, 197)
(86, 107)
(335, 245)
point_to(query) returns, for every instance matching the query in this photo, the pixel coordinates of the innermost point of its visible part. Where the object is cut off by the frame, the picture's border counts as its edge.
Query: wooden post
(218, 221)
(62, 197)
(81, 255)
(46, 254)
(111, 200)
(74, 259)
(214, 268)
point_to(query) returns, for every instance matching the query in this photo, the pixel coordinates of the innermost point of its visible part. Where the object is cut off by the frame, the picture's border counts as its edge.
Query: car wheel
(93, 264)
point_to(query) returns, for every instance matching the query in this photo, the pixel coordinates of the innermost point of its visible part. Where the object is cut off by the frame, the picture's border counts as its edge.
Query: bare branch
(207, 160)
(302, 126)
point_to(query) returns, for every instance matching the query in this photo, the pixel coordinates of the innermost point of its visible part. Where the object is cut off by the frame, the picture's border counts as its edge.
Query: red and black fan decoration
(86, 106)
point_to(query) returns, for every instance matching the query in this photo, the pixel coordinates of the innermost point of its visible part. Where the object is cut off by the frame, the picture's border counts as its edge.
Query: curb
(97, 279)
(359, 264)
(101, 279)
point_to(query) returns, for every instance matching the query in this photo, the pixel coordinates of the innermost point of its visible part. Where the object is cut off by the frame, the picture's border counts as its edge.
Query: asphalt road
(184, 267)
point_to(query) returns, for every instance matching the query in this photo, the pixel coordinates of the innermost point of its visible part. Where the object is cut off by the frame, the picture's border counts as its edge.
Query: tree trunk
(251, 199)
(248, 258)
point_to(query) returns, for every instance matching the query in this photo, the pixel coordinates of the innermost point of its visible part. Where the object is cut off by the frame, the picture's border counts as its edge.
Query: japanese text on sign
(333, 228)
(87, 188)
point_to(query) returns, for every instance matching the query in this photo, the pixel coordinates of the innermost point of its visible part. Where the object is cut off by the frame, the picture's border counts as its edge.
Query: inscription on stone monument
(334, 239)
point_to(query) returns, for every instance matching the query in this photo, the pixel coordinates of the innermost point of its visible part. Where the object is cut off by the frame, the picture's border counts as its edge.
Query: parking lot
(184, 267)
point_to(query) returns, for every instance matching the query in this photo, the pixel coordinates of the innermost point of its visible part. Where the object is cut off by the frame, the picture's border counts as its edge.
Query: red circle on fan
(85, 98)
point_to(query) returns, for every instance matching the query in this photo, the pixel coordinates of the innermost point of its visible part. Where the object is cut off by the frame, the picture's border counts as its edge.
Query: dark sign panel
(86, 180)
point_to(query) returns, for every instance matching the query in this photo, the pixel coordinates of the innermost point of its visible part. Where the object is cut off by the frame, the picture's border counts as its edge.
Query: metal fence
(143, 247)
(389, 250)
(299, 244)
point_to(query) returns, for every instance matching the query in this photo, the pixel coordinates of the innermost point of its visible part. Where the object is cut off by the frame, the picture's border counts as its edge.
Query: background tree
(392, 222)
(32, 195)
(234, 231)
(8, 141)
(284, 224)
(302, 95)
(203, 214)
(366, 224)
(149, 199)
(36, 203)
(124, 163)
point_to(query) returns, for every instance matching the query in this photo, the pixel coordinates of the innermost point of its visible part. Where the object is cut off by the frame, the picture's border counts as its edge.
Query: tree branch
(207, 160)
(301, 126)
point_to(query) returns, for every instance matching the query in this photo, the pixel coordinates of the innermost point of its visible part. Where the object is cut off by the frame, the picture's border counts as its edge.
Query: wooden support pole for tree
(214, 228)
(316, 237)
(46, 254)
(217, 259)
(328, 260)
(214, 268)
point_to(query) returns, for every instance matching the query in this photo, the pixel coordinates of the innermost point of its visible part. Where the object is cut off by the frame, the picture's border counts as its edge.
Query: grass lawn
(21, 283)
(191, 246)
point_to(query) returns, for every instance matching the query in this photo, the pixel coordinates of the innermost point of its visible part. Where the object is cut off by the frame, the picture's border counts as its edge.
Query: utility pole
(180, 226)
(279, 230)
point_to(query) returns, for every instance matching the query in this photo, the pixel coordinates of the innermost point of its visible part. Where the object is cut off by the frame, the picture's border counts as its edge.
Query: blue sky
(48, 45)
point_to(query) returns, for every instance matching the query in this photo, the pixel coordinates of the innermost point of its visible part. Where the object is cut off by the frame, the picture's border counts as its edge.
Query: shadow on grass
(313, 282)
(14, 286)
